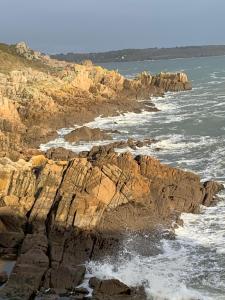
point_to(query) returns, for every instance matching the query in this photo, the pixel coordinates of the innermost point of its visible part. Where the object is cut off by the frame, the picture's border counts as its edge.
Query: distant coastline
(127, 55)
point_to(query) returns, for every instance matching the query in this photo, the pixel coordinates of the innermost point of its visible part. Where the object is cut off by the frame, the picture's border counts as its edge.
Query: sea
(190, 133)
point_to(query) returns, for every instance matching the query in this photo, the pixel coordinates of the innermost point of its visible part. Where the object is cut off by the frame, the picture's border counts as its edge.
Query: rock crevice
(78, 209)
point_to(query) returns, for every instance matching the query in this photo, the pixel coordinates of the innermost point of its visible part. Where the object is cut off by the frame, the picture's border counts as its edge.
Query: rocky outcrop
(23, 50)
(57, 215)
(87, 134)
(60, 153)
(96, 151)
(36, 101)
(113, 289)
(171, 82)
(123, 144)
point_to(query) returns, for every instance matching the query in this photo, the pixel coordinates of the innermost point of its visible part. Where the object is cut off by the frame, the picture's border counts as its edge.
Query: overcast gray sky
(98, 25)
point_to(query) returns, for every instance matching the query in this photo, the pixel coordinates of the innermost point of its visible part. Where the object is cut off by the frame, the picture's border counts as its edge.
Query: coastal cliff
(48, 95)
(57, 215)
(60, 209)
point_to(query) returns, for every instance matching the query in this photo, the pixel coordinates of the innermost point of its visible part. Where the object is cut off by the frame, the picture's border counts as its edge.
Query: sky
(55, 26)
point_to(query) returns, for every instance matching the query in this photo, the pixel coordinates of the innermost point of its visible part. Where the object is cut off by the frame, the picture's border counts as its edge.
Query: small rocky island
(60, 209)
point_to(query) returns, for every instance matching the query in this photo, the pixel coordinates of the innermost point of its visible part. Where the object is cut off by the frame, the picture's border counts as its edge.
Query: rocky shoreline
(57, 215)
(34, 103)
(60, 209)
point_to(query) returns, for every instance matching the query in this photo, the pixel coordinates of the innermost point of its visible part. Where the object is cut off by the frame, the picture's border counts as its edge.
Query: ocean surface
(190, 129)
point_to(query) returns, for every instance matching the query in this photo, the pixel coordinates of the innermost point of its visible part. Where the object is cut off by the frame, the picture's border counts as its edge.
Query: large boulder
(85, 133)
(114, 289)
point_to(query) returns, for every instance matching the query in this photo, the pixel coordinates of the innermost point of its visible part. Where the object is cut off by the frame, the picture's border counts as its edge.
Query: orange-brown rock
(59, 214)
(87, 188)
(54, 215)
(50, 94)
(85, 133)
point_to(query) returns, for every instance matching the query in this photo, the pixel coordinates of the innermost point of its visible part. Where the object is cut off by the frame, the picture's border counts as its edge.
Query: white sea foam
(182, 143)
(164, 103)
(177, 273)
(215, 82)
(75, 147)
(120, 120)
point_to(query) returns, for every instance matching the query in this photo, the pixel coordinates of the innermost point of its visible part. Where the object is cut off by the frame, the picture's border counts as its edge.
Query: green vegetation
(144, 54)
(10, 60)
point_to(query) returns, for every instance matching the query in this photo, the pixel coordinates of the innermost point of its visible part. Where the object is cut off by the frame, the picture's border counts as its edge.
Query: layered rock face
(56, 215)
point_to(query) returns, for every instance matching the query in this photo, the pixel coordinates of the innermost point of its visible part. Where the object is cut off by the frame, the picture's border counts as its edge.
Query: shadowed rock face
(56, 215)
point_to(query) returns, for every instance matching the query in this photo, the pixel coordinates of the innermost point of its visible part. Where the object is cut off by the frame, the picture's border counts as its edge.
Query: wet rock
(81, 290)
(114, 289)
(110, 287)
(96, 151)
(55, 215)
(104, 182)
(59, 214)
(211, 189)
(3, 277)
(49, 297)
(65, 277)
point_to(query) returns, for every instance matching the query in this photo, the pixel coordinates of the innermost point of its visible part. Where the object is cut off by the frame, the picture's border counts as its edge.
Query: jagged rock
(133, 144)
(55, 215)
(211, 188)
(35, 102)
(65, 154)
(104, 182)
(23, 50)
(60, 154)
(60, 214)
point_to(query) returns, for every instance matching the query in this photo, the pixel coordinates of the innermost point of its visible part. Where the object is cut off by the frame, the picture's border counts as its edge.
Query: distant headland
(144, 54)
